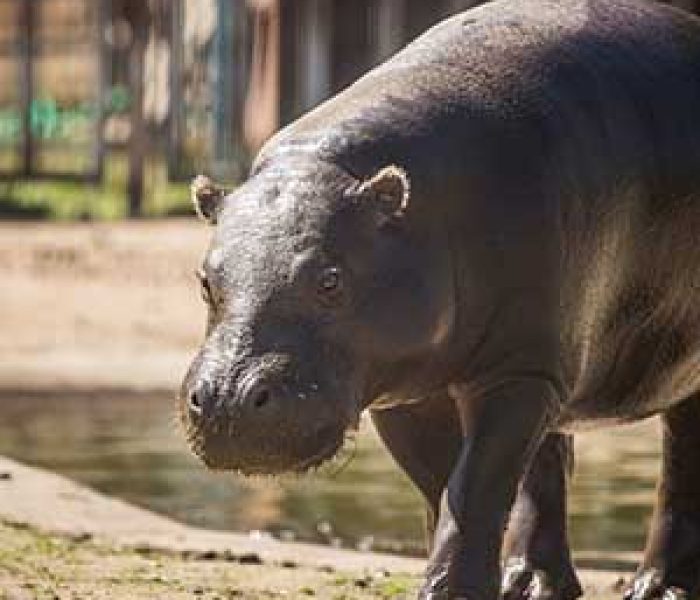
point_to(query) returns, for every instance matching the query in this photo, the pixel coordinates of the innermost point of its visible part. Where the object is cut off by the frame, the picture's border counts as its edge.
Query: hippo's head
(320, 294)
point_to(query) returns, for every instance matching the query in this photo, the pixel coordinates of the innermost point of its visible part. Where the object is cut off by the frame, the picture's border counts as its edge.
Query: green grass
(47, 567)
(66, 201)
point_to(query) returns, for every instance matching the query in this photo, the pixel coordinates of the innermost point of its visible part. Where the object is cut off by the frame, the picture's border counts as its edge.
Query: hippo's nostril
(261, 397)
(257, 394)
(196, 402)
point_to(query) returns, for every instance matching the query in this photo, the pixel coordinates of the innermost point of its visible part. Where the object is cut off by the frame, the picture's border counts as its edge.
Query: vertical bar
(421, 15)
(290, 67)
(137, 136)
(242, 48)
(27, 83)
(175, 139)
(223, 83)
(103, 78)
(390, 27)
(316, 53)
(350, 42)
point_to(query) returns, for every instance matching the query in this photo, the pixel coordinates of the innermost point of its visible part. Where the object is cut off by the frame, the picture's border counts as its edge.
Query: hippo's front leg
(509, 423)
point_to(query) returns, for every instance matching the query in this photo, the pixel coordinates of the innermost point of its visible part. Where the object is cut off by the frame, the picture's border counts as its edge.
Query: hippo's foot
(671, 567)
(523, 581)
(649, 585)
(435, 586)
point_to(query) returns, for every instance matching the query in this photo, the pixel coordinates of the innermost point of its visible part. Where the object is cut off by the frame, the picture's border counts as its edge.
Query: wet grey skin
(488, 242)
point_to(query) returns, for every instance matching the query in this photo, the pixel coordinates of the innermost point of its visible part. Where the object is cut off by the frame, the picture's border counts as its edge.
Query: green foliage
(396, 587)
(62, 200)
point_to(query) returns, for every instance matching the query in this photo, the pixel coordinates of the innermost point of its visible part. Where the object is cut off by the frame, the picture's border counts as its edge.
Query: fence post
(137, 14)
(176, 129)
(103, 78)
(27, 82)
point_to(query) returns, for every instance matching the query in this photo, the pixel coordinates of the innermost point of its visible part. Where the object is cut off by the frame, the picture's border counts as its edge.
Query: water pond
(130, 445)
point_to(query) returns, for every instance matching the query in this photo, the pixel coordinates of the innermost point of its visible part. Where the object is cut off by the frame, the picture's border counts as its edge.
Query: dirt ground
(117, 306)
(113, 305)
(34, 565)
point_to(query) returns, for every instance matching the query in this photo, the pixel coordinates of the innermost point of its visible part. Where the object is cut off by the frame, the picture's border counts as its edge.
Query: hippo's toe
(435, 586)
(649, 585)
(522, 581)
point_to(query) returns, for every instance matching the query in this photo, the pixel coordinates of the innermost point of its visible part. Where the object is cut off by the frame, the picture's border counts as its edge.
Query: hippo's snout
(262, 423)
(203, 402)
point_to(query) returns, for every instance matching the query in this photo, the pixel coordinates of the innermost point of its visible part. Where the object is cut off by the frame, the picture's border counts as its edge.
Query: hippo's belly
(641, 376)
(631, 320)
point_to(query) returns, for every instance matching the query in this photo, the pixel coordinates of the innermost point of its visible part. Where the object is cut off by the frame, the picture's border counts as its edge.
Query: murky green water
(131, 446)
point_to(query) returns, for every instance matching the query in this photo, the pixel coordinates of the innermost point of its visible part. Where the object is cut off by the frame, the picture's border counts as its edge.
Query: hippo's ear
(207, 198)
(391, 189)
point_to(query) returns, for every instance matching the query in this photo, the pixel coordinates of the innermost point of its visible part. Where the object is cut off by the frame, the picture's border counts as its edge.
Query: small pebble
(382, 573)
(362, 583)
(256, 534)
(324, 528)
(287, 535)
(250, 559)
(366, 543)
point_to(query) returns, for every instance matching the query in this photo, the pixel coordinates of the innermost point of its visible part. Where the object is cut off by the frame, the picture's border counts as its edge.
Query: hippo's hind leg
(537, 558)
(671, 566)
(425, 439)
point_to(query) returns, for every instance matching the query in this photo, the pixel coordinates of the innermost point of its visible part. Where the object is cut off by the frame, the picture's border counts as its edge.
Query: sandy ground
(60, 540)
(35, 565)
(99, 305)
(117, 306)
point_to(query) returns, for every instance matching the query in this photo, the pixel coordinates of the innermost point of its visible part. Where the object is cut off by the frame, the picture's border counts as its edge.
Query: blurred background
(107, 108)
(135, 96)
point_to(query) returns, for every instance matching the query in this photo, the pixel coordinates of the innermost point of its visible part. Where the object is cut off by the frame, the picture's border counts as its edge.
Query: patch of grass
(68, 200)
(47, 566)
(395, 587)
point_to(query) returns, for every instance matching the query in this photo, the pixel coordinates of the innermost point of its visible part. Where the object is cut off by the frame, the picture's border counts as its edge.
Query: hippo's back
(592, 106)
(546, 63)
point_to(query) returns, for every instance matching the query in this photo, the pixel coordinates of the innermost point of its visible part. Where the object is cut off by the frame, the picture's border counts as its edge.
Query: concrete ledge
(56, 505)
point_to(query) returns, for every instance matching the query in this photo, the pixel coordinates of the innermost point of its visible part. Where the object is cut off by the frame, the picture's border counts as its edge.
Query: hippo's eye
(330, 282)
(205, 288)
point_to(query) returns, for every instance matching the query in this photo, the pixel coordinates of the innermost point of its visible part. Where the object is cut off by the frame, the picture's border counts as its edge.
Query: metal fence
(198, 83)
(52, 77)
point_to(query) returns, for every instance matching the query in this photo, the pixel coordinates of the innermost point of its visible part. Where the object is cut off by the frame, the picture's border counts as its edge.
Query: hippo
(489, 242)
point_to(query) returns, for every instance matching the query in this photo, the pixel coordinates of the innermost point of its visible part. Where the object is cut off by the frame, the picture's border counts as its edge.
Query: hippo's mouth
(276, 455)
(315, 461)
